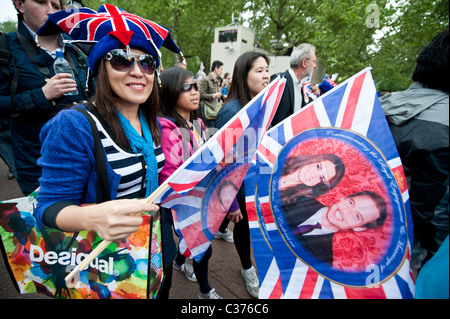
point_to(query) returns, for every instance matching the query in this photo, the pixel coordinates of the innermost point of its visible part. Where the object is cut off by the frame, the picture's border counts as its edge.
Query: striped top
(129, 166)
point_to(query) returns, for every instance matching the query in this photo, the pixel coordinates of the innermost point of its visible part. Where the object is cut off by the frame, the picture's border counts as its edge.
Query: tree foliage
(191, 23)
(8, 26)
(416, 23)
(349, 34)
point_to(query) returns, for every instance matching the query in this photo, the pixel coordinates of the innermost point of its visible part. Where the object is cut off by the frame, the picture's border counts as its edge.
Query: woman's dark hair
(105, 100)
(172, 80)
(432, 68)
(290, 195)
(239, 86)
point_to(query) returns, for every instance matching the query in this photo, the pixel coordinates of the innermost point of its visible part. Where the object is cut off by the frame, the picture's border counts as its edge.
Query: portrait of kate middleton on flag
(309, 175)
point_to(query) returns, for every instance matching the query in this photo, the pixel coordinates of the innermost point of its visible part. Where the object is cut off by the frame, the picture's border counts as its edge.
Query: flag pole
(164, 186)
(105, 243)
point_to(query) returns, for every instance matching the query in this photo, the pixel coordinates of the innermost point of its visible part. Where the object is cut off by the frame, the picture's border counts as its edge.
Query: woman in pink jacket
(183, 132)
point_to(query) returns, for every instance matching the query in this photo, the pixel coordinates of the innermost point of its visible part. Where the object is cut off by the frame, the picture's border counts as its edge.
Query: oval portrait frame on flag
(346, 257)
(229, 174)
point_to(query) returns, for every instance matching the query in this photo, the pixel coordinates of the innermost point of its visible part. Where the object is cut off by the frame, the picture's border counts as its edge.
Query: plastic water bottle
(61, 65)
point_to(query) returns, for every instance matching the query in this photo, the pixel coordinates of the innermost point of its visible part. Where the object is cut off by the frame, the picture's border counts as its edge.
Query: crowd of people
(151, 121)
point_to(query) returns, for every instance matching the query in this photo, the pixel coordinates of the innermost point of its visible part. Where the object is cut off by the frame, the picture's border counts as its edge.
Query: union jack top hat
(111, 28)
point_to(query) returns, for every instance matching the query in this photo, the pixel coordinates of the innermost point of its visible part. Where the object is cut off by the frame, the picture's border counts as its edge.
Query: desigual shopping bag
(39, 257)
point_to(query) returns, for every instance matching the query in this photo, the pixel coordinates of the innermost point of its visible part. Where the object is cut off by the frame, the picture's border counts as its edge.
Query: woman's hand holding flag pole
(105, 243)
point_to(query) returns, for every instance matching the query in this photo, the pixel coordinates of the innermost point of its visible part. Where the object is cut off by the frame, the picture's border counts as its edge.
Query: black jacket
(419, 122)
(286, 106)
(319, 246)
(30, 109)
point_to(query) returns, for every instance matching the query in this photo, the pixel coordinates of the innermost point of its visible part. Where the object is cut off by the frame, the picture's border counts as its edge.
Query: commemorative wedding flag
(201, 191)
(268, 271)
(328, 203)
(38, 258)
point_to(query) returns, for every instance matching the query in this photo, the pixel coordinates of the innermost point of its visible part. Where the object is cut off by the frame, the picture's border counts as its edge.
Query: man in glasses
(303, 61)
(30, 92)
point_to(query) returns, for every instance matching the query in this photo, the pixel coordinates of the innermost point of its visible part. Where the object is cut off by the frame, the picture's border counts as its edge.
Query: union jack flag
(365, 263)
(192, 191)
(307, 91)
(326, 85)
(330, 82)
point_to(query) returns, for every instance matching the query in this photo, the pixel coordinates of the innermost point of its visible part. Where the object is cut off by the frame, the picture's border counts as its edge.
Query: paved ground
(224, 266)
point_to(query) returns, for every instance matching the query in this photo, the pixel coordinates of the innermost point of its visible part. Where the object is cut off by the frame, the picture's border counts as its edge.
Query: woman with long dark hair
(124, 109)
(183, 132)
(250, 76)
(309, 175)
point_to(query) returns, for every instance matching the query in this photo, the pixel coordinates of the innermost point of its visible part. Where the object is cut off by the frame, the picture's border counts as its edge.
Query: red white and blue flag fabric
(200, 192)
(326, 85)
(88, 26)
(307, 90)
(360, 245)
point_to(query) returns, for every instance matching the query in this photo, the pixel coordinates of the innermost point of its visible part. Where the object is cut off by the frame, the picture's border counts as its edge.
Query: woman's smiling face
(315, 173)
(132, 87)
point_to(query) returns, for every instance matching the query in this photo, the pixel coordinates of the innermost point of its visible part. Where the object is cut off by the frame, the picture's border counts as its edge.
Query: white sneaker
(251, 281)
(227, 235)
(187, 270)
(212, 294)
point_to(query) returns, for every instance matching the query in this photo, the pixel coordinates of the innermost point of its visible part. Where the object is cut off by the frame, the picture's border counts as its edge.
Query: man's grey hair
(301, 52)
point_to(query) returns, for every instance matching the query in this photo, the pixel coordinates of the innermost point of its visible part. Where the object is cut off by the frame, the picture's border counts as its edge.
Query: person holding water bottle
(31, 92)
(62, 66)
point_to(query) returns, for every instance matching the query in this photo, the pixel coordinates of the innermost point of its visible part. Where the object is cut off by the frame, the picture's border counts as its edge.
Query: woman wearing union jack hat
(123, 54)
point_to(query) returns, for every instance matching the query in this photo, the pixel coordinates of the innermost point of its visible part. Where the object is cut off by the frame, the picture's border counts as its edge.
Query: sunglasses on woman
(187, 87)
(123, 62)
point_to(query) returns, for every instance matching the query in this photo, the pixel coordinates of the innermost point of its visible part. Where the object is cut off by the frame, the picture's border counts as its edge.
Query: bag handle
(103, 191)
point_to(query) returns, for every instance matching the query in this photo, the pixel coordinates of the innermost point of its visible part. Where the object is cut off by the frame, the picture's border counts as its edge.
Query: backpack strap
(31, 50)
(28, 45)
(5, 61)
(103, 191)
(4, 54)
